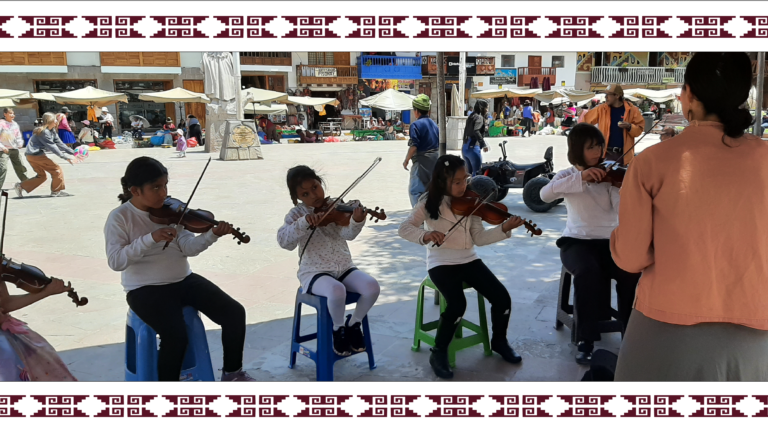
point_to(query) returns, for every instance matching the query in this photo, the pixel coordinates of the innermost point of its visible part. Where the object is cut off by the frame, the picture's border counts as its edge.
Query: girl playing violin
(159, 283)
(455, 261)
(24, 354)
(593, 206)
(325, 263)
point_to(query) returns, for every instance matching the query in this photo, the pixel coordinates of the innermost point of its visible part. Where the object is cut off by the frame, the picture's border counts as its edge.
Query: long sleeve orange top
(694, 219)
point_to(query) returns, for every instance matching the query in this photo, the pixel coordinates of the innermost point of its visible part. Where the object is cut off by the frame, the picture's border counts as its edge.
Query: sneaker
(60, 193)
(340, 342)
(240, 375)
(18, 189)
(355, 337)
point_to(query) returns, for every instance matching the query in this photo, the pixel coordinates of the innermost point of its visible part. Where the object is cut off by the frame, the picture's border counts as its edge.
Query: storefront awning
(177, 94)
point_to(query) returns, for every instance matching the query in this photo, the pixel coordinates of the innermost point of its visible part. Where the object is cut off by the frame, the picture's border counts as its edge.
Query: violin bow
(452, 229)
(186, 206)
(333, 205)
(349, 189)
(639, 139)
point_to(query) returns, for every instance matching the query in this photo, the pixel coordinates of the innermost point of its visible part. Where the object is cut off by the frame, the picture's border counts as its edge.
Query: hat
(168, 120)
(86, 122)
(178, 131)
(615, 89)
(65, 110)
(104, 109)
(422, 102)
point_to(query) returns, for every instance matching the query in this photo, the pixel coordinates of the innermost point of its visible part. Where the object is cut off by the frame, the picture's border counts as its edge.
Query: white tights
(336, 293)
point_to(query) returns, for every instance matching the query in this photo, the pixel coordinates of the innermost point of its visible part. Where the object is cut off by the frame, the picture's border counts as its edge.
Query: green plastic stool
(459, 341)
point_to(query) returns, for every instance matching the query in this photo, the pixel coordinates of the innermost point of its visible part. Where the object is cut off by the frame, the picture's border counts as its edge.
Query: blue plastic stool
(141, 350)
(324, 357)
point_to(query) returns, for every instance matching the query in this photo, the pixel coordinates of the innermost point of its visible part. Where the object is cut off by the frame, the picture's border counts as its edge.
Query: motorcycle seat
(526, 167)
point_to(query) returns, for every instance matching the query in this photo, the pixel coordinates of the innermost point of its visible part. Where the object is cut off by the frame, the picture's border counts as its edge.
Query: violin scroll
(77, 300)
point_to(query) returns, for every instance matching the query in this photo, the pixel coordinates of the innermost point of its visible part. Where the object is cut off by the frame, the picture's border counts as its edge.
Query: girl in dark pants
(159, 282)
(585, 246)
(474, 131)
(455, 261)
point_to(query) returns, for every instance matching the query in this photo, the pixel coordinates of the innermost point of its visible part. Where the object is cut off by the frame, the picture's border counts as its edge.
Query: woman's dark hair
(721, 81)
(422, 113)
(481, 107)
(191, 116)
(445, 168)
(570, 104)
(581, 135)
(7, 110)
(140, 171)
(298, 175)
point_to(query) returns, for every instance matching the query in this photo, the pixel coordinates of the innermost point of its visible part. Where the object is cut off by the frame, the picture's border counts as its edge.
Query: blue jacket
(424, 135)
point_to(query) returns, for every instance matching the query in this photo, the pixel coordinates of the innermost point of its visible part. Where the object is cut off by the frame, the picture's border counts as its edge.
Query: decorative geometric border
(142, 406)
(385, 27)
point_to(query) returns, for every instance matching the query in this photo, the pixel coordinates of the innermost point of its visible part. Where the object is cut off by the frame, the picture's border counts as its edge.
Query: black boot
(439, 357)
(584, 357)
(501, 346)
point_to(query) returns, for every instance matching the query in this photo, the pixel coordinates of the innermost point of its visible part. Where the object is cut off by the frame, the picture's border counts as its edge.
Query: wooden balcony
(321, 74)
(637, 75)
(524, 75)
(267, 59)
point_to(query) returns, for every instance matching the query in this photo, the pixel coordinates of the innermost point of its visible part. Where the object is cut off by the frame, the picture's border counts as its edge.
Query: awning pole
(759, 96)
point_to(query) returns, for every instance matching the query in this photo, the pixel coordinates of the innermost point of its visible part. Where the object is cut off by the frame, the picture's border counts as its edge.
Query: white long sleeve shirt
(132, 251)
(593, 208)
(459, 247)
(327, 252)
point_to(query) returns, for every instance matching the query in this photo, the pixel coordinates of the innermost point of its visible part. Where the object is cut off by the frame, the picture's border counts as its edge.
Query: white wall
(191, 59)
(83, 59)
(567, 73)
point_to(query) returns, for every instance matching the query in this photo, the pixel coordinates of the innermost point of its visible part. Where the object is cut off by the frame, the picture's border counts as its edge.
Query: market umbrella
(258, 109)
(390, 100)
(264, 97)
(15, 103)
(144, 121)
(655, 95)
(312, 101)
(177, 94)
(559, 96)
(16, 94)
(601, 98)
(505, 92)
(90, 96)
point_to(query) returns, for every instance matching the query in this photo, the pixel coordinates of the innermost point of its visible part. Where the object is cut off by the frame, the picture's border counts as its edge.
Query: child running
(325, 263)
(159, 283)
(456, 262)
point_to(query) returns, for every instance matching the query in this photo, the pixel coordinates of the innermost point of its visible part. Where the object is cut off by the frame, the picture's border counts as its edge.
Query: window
(78, 112)
(154, 112)
(558, 61)
(319, 58)
(507, 61)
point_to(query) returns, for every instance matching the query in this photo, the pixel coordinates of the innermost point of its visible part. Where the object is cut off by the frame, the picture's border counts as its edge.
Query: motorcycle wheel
(532, 197)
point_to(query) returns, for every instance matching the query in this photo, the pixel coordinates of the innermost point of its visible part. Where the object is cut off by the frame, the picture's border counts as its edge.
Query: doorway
(196, 109)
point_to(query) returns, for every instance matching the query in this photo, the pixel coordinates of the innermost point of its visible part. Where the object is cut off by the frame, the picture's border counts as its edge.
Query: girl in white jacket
(325, 263)
(455, 261)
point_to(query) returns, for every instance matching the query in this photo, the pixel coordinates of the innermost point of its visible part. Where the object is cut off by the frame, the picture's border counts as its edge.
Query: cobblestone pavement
(64, 237)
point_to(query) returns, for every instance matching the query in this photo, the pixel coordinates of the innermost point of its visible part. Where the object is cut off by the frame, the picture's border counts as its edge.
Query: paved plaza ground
(64, 237)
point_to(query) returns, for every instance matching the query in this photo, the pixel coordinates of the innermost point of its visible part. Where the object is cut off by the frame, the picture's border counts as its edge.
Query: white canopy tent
(390, 100)
(275, 109)
(601, 98)
(505, 92)
(13, 94)
(654, 95)
(559, 96)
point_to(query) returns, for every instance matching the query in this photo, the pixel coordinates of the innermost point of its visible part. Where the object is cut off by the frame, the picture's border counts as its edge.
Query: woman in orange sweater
(701, 310)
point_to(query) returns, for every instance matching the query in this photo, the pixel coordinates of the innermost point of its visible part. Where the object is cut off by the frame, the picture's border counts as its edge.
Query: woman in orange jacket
(619, 121)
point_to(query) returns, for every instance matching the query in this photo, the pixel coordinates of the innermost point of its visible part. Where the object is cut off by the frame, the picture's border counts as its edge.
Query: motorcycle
(531, 177)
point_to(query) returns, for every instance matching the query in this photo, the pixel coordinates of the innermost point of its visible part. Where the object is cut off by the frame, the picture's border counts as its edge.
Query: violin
(32, 280)
(196, 221)
(614, 172)
(341, 214)
(494, 213)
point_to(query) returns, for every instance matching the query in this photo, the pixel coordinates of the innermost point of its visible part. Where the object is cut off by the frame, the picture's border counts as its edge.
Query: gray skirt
(658, 351)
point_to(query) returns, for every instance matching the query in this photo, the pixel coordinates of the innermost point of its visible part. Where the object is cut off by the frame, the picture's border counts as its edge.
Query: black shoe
(584, 356)
(501, 346)
(355, 337)
(340, 342)
(439, 362)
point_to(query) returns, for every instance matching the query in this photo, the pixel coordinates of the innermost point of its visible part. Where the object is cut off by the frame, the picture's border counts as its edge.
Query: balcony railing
(389, 67)
(524, 75)
(321, 74)
(265, 58)
(637, 75)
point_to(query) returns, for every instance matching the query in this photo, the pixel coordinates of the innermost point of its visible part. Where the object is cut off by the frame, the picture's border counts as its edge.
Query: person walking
(423, 148)
(11, 141)
(527, 118)
(700, 310)
(619, 121)
(44, 138)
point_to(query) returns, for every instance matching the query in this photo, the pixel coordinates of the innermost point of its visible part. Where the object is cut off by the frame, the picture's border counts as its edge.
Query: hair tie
(446, 163)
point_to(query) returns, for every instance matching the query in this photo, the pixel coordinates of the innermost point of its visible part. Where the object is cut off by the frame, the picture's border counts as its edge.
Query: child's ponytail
(140, 171)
